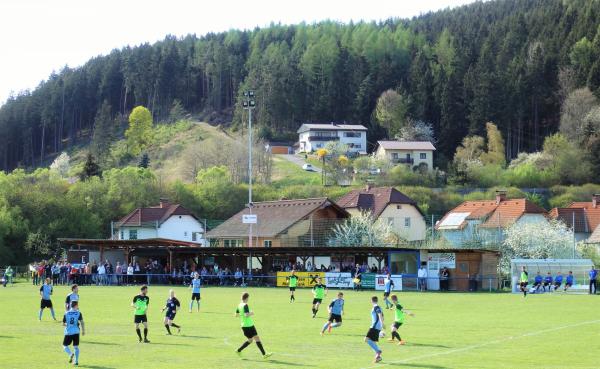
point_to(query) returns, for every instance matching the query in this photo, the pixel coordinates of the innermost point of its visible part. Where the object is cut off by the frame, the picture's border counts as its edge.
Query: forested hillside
(511, 62)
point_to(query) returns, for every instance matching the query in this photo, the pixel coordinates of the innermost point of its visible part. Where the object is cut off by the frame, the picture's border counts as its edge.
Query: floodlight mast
(249, 104)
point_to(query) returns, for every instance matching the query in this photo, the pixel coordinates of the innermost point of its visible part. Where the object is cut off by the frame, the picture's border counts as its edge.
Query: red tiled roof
(567, 215)
(595, 237)
(153, 214)
(493, 214)
(375, 199)
(592, 214)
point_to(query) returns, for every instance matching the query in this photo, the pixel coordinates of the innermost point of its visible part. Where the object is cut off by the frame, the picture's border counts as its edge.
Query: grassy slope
(449, 331)
(286, 173)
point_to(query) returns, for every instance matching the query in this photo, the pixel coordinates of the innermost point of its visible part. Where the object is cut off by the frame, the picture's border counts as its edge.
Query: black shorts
(45, 304)
(335, 318)
(557, 284)
(386, 294)
(397, 325)
(373, 334)
(170, 315)
(292, 289)
(317, 300)
(523, 284)
(140, 319)
(536, 284)
(250, 332)
(196, 296)
(568, 284)
(72, 338)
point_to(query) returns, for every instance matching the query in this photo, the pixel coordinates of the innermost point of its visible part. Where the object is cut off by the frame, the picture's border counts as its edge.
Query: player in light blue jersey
(71, 321)
(46, 293)
(195, 286)
(387, 289)
(73, 296)
(336, 310)
(376, 326)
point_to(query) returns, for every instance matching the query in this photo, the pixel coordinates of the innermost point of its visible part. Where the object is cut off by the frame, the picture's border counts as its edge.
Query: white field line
(473, 347)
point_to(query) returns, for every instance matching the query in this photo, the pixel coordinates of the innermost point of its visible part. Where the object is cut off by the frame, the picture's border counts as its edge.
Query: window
(351, 134)
(267, 243)
(394, 155)
(398, 207)
(122, 234)
(390, 221)
(194, 236)
(356, 146)
(133, 234)
(407, 222)
(233, 243)
(423, 155)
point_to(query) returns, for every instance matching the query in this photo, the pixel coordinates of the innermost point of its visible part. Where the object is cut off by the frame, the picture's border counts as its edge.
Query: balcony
(403, 160)
(323, 138)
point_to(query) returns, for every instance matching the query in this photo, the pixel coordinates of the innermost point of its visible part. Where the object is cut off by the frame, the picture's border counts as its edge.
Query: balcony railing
(403, 160)
(323, 138)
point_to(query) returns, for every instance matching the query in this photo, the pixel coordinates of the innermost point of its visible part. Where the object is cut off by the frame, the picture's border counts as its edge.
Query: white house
(314, 136)
(167, 221)
(483, 222)
(410, 153)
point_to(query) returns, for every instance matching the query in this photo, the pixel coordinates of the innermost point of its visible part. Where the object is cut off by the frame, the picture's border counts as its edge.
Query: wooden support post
(126, 256)
(170, 260)
(101, 254)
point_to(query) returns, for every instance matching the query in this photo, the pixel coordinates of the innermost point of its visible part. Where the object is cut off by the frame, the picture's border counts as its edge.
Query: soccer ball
(381, 334)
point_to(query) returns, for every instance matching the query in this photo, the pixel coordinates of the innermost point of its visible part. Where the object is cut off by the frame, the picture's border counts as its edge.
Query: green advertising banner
(368, 281)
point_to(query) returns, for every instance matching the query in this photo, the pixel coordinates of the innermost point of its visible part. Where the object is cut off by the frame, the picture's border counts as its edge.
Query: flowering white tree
(539, 240)
(362, 230)
(61, 165)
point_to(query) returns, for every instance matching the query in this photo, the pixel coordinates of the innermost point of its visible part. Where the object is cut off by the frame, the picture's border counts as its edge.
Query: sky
(41, 36)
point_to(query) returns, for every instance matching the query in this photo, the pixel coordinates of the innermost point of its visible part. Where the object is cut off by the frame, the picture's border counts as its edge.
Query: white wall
(362, 141)
(532, 218)
(180, 227)
(418, 228)
(142, 232)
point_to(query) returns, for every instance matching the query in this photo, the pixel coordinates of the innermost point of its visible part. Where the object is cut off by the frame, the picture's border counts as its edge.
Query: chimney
(500, 196)
(164, 203)
(596, 200)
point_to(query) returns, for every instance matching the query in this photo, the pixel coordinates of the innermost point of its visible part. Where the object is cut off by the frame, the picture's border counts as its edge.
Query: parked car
(308, 167)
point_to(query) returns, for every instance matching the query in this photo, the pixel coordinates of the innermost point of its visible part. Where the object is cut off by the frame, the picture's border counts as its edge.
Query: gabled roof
(407, 145)
(274, 217)
(375, 199)
(331, 127)
(491, 213)
(154, 214)
(567, 215)
(592, 214)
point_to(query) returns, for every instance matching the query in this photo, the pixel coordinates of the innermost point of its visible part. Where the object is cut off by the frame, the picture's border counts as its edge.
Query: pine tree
(144, 161)
(90, 168)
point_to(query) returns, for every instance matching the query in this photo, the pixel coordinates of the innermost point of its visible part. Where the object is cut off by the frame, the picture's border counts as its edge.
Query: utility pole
(249, 104)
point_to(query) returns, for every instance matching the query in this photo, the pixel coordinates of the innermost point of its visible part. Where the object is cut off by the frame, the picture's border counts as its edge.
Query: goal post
(579, 267)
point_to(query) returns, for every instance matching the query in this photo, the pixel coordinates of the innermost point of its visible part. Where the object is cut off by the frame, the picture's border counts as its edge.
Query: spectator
(238, 277)
(101, 275)
(40, 272)
(8, 275)
(33, 272)
(593, 277)
(357, 278)
(118, 272)
(64, 272)
(444, 279)
(422, 275)
(129, 274)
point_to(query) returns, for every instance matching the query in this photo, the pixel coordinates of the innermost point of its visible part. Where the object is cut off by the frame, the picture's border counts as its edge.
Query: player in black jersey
(171, 307)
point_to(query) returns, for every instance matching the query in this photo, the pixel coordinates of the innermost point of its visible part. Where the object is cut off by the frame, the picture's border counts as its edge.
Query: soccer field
(449, 331)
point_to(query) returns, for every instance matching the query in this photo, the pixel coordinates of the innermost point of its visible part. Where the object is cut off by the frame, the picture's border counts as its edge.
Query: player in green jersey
(293, 283)
(523, 281)
(243, 311)
(319, 291)
(399, 314)
(140, 304)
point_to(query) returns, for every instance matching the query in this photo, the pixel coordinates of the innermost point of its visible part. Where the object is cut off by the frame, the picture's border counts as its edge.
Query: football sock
(68, 350)
(145, 333)
(175, 325)
(260, 347)
(139, 333)
(325, 327)
(52, 312)
(191, 304)
(76, 354)
(168, 329)
(396, 335)
(335, 325)
(243, 346)
(373, 346)
(40, 315)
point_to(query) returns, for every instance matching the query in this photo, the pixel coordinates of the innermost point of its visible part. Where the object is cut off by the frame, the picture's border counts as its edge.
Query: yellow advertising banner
(305, 279)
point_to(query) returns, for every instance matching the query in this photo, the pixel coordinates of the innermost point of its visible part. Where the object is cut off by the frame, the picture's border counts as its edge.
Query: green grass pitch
(449, 331)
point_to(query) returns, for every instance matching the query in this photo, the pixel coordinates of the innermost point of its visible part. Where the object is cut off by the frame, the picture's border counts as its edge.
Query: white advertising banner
(338, 280)
(445, 259)
(380, 282)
